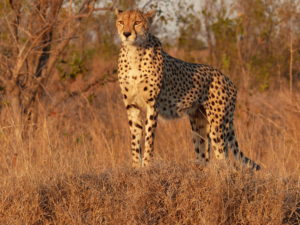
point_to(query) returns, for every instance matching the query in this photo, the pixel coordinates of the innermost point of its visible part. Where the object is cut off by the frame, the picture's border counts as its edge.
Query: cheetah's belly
(177, 103)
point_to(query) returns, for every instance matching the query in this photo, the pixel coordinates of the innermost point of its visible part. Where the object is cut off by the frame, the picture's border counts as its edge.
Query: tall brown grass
(74, 168)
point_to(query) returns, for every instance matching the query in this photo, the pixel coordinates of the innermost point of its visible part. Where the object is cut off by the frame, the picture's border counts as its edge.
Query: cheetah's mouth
(137, 40)
(128, 40)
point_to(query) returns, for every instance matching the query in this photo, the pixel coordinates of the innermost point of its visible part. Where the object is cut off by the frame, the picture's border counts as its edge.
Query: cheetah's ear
(150, 15)
(118, 11)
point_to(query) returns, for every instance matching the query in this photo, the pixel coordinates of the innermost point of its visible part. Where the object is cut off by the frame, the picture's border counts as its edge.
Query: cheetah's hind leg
(200, 131)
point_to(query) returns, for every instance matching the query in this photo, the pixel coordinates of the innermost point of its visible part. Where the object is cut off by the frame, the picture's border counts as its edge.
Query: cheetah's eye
(137, 23)
(121, 22)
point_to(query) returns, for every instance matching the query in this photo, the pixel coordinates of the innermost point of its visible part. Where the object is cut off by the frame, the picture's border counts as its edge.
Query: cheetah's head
(133, 25)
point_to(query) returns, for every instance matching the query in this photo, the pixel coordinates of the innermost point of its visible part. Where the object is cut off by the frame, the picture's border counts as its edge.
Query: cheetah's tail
(239, 155)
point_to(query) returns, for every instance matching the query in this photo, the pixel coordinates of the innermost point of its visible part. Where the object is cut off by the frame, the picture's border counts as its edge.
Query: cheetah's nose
(127, 34)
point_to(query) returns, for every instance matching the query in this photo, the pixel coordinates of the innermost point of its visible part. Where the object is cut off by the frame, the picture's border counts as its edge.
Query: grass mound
(169, 194)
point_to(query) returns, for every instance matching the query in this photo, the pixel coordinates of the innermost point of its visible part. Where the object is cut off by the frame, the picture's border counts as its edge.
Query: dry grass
(75, 169)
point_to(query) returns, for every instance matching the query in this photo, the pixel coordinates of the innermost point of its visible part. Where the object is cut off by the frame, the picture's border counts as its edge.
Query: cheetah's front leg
(150, 125)
(136, 130)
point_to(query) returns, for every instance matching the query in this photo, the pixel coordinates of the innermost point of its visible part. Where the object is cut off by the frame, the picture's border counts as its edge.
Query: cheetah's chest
(134, 84)
(139, 76)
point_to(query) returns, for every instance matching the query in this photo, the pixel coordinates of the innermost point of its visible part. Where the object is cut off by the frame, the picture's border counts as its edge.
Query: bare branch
(104, 9)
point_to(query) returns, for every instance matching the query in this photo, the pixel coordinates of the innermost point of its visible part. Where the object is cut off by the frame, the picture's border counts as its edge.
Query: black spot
(138, 126)
(216, 140)
(145, 88)
(130, 123)
(236, 144)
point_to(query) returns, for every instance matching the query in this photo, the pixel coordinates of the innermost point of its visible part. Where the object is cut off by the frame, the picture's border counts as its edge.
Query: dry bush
(76, 168)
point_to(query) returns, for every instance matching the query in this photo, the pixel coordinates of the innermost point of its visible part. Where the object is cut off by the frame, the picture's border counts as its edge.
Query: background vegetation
(64, 156)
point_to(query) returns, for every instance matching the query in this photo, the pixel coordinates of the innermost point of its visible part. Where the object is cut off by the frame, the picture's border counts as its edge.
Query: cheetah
(156, 83)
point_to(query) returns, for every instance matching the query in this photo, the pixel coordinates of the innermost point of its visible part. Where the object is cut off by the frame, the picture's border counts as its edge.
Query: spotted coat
(159, 84)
